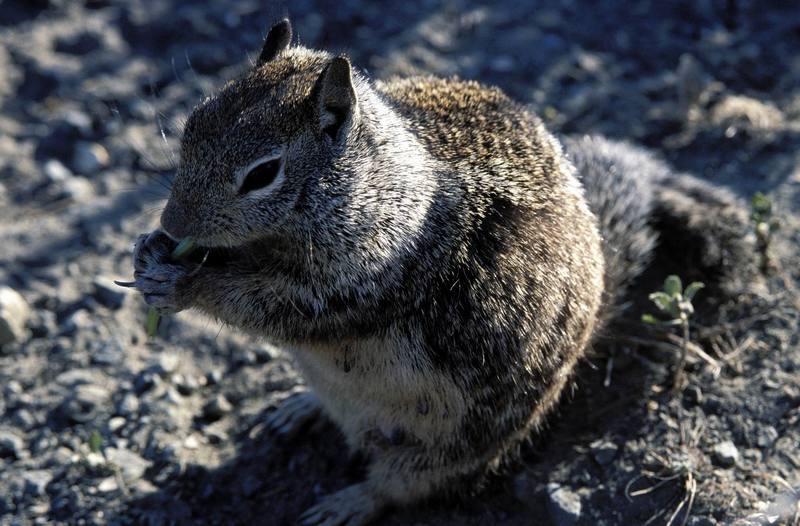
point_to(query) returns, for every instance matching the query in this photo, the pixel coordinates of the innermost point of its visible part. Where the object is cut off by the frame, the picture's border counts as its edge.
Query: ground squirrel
(426, 250)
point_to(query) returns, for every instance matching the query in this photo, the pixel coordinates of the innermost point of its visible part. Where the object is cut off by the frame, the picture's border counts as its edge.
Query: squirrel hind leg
(293, 414)
(355, 505)
(399, 476)
(705, 233)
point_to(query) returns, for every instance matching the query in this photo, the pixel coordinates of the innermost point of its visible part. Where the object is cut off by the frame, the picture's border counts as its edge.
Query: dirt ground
(100, 425)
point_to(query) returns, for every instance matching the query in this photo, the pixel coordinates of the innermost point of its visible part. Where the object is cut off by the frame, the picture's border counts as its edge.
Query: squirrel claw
(355, 505)
(293, 414)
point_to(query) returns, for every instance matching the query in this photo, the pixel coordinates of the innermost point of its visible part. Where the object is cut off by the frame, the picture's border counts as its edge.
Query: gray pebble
(74, 377)
(129, 405)
(77, 189)
(132, 465)
(89, 158)
(214, 377)
(56, 172)
(36, 481)
(146, 380)
(43, 324)
(110, 353)
(108, 294)
(702, 521)
(563, 504)
(186, 384)
(725, 454)
(603, 451)
(24, 419)
(14, 315)
(116, 423)
(11, 445)
(167, 363)
(766, 436)
(79, 320)
(84, 403)
(217, 408)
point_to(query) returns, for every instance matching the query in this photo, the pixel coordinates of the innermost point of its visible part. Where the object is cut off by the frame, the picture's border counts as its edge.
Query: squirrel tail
(648, 212)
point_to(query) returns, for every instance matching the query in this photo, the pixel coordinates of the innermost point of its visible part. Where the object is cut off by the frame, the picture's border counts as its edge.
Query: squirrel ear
(278, 39)
(336, 97)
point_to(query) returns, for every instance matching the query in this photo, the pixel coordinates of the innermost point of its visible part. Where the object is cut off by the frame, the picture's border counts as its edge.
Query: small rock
(767, 436)
(266, 353)
(191, 442)
(702, 521)
(36, 481)
(172, 396)
(738, 110)
(128, 406)
(145, 381)
(13, 387)
(24, 419)
(603, 451)
(185, 384)
(14, 315)
(43, 324)
(725, 454)
(217, 408)
(77, 189)
(563, 504)
(214, 377)
(107, 485)
(215, 436)
(11, 445)
(110, 353)
(108, 294)
(56, 172)
(80, 320)
(116, 423)
(85, 403)
(62, 133)
(74, 377)
(167, 363)
(94, 459)
(132, 465)
(89, 158)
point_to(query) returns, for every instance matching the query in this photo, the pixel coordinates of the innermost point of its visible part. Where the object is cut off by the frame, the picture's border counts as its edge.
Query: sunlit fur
(435, 268)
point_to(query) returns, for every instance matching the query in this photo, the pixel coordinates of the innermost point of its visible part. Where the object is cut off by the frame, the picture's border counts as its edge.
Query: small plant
(95, 442)
(676, 302)
(765, 226)
(676, 467)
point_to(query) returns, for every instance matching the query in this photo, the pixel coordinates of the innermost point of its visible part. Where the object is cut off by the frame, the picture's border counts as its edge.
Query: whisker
(158, 176)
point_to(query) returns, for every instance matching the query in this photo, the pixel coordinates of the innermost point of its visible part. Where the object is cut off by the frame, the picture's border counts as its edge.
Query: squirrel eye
(260, 176)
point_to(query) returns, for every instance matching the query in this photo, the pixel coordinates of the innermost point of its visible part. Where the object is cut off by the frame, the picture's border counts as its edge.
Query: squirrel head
(256, 156)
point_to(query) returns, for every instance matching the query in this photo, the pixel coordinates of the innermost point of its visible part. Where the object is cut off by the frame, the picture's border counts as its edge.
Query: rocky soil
(101, 426)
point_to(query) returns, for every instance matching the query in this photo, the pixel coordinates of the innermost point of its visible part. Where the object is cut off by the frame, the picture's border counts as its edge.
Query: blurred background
(99, 425)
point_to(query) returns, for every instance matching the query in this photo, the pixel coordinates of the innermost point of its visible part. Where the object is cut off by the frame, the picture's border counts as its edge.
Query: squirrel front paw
(162, 280)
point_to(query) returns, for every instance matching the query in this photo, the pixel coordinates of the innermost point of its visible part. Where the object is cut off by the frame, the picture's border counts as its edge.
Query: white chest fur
(384, 384)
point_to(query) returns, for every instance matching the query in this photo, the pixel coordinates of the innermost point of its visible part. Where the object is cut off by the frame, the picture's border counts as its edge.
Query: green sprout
(95, 442)
(675, 302)
(183, 249)
(765, 226)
